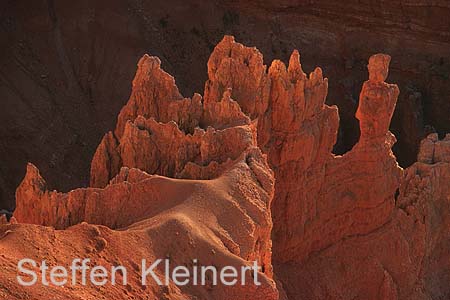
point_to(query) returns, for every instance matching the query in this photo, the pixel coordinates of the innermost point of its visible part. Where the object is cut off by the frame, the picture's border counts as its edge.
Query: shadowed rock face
(66, 67)
(355, 226)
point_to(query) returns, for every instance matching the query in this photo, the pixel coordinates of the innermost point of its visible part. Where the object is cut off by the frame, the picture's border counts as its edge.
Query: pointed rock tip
(228, 39)
(432, 137)
(149, 62)
(316, 76)
(33, 177)
(378, 67)
(295, 67)
(277, 68)
(146, 65)
(295, 58)
(32, 171)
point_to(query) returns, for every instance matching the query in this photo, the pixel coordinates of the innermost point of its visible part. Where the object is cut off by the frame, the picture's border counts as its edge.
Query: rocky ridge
(344, 226)
(67, 67)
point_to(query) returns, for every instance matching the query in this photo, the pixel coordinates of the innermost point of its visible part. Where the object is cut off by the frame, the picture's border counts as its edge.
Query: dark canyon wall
(66, 67)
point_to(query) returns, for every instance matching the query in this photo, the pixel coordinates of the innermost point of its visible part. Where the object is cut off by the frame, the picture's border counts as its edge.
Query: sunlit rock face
(61, 92)
(298, 131)
(247, 170)
(169, 188)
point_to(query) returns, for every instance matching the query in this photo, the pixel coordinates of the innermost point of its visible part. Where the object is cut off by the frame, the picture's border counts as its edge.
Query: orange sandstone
(188, 177)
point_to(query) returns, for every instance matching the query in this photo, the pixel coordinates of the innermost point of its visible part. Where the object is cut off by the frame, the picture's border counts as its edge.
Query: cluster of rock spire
(200, 170)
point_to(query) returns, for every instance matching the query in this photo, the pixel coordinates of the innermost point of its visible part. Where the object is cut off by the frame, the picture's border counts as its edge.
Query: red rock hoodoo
(217, 211)
(191, 177)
